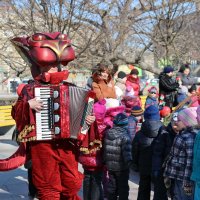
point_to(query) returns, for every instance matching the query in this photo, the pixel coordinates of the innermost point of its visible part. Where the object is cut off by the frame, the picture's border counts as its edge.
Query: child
(142, 150)
(182, 93)
(120, 86)
(194, 99)
(161, 149)
(178, 165)
(117, 156)
(134, 81)
(128, 102)
(152, 98)
(91, 155)
(134, 120)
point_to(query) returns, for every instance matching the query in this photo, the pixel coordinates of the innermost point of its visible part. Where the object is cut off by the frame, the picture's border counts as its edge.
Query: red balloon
(165, 111)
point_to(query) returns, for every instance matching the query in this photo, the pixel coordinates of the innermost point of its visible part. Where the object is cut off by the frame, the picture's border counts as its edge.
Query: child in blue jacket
(152, 98)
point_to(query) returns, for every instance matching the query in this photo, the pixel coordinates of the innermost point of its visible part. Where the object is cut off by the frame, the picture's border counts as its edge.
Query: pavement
(14, 183)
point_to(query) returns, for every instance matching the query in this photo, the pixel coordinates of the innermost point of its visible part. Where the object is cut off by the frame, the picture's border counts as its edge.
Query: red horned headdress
(44, 50)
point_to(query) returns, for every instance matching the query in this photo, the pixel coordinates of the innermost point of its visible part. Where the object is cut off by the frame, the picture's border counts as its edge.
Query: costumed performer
(54, 162)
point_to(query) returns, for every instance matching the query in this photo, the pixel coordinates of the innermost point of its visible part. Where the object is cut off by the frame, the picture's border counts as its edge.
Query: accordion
(64, 110)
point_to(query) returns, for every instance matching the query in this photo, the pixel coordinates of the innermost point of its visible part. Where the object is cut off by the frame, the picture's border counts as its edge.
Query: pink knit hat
(153, 89)
(188, 116)
(99, 109)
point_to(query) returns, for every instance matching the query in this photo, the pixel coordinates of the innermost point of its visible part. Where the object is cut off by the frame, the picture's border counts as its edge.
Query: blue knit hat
(120, 119)
(168, 69)
(152, 113)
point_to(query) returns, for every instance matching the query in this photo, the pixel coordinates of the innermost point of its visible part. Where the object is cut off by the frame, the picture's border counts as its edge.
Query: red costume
(54, 162)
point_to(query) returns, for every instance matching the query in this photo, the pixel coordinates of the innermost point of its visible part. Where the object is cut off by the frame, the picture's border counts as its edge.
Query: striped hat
(188, 116)
(137, 111)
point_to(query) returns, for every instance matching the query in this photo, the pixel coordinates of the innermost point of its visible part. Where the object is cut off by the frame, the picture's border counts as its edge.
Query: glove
(167, 182)
(188, 188)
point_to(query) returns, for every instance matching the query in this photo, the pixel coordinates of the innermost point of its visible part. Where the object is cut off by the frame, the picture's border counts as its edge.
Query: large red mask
(44, 50)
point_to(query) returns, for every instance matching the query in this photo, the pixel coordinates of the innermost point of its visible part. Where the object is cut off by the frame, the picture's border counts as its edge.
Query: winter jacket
(151, 101)
(132, 126)
(102, 90)
(178, 164)
(117, 148)
(121, 84)
(196, 158)
(142, 146)
(168, 88)
(134, 83)
(167, 84)
(161, 148)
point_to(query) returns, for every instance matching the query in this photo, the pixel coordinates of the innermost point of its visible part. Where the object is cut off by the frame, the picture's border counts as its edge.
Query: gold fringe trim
(27, 129)
(90, 150)
(95, 142)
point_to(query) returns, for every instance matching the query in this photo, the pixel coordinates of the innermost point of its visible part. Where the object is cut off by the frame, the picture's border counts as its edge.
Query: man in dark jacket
(142, 150)
(168, 87)
(161, 149)
(118, 158)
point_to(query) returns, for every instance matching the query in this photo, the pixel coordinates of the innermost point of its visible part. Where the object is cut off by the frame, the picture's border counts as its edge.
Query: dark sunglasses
(153, 92)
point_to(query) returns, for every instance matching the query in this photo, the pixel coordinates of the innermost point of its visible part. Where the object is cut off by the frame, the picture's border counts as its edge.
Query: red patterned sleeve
(21, 111)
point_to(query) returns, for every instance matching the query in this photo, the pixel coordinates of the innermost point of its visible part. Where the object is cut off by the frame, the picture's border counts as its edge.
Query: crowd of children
(125, 137)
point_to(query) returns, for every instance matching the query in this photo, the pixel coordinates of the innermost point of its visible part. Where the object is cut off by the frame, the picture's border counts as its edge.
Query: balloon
(165, 111)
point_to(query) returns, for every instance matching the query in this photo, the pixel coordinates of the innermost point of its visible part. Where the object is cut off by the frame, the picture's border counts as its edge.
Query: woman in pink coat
(134, 81)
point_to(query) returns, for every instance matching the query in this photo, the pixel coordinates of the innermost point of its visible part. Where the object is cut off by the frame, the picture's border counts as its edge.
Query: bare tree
(115, 31)
(173, 30)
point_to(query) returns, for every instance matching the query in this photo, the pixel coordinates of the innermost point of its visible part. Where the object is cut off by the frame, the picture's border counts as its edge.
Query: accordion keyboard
(44, 119)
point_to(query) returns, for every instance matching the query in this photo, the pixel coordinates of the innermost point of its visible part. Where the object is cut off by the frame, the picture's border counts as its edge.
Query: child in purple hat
(178, 165)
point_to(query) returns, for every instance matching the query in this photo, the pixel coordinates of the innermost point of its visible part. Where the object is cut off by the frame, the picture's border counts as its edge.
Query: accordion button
(56, 106)
(55, 94)
(57, 130)
(56, 118)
